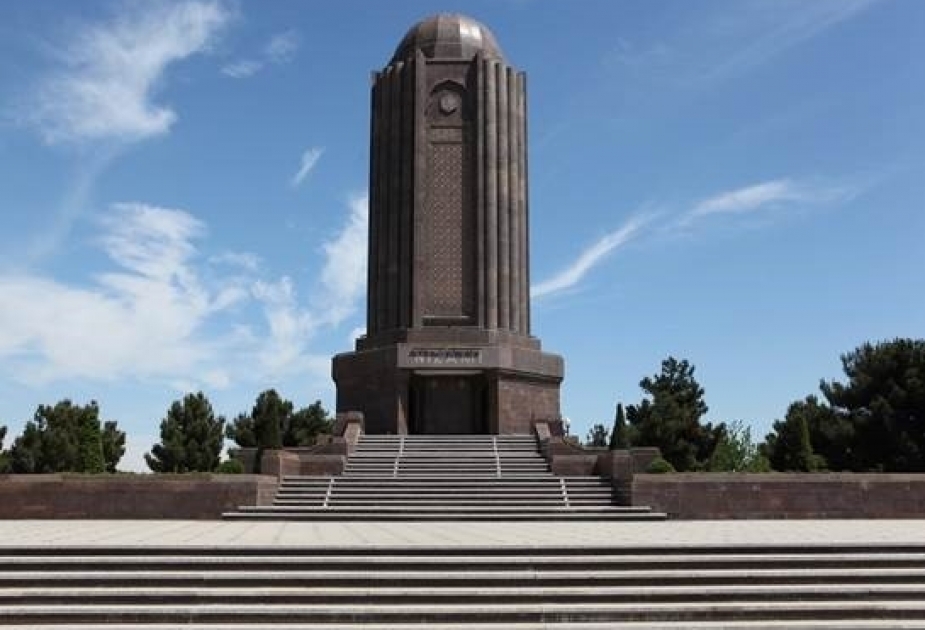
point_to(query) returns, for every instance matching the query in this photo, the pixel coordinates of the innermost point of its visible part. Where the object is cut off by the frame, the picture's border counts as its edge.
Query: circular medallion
(449, 103)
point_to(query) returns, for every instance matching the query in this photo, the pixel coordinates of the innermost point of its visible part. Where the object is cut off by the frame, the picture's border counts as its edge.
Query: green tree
(884, 403)
(270, 414)
(63, 438)
(789, 447)
(4, 455)
(597, 436)
(191, 438)
(618, 435)
(737, 452)
(306, 424)
(113, 444)
(671, 418)
(272, 422)
(241, 430)
(875, 421)
(90, 444)
(792, 443)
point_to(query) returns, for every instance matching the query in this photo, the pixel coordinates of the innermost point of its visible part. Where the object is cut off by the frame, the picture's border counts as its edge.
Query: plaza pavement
(220, 534)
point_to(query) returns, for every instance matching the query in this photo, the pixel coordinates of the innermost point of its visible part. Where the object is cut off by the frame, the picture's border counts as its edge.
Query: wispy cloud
(290, 325)
(747, 199)
(100, 93)
(756, 198)
(243, 260)
(76, 197)
(242, 69)
(109, 72)
(587, 260)
(768, 196)
(164, 312)
(280, 49)
(730, 40)
(768, 29)
(344, 273)
(309, 160)
(135, 321)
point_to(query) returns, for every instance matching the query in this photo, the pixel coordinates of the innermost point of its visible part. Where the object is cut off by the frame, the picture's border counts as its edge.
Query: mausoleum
(448, 345)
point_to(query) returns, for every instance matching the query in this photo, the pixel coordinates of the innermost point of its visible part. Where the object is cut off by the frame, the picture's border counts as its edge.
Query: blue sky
(182, 187)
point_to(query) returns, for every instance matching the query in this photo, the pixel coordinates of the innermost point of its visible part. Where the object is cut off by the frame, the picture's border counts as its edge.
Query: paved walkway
(63, 533)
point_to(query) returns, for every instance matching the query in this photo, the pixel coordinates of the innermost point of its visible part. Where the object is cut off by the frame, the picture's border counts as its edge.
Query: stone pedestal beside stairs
(477, 477)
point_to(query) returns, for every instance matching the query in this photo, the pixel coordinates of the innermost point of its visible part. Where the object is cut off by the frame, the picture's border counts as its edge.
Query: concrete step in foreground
(470, 588)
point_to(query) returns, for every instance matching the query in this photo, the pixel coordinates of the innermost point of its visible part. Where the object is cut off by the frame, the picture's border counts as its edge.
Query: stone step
(841, 624)
(421, 517)
(461, 514)
(422, 613)
(270, 513)
(372, 490)
(373, 494)
(494, 509)
(526, 449)
(445, 575)
(465, 588)
(375, 507)
(841, 566)
(448, 476)
(484, 453)
(527, 481)
(446, 437)
(398, 494)
(446, 463)
(521, 481)
(197, 594)
(433, 477)
(495, 496)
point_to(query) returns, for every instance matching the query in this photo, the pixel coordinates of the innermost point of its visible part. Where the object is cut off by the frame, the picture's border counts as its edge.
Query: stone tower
(448, 346)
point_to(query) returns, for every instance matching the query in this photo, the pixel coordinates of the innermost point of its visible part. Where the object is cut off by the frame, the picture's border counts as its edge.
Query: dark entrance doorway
(448, 405)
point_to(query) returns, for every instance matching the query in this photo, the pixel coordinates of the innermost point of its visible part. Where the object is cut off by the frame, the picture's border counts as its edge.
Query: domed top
(449, 35)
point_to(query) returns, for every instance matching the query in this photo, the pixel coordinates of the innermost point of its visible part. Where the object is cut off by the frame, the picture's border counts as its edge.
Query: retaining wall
(195, 496)
(782, 495)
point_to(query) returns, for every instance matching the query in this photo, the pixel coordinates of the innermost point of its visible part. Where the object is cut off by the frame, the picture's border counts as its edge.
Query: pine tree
(306, 424)
(270, 414)
(671, 418)
(4, 455)
(191, 438)
(789, 447)
(273, 423)
(618, 436)
(64, 438)
(883, 402)
(113, 443)
(90, 444)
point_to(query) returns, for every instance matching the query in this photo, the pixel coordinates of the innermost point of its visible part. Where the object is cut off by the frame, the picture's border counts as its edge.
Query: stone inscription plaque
(444, 357)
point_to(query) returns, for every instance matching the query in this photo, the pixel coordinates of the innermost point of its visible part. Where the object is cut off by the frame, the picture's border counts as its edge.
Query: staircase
(424, 477)
(462, 588)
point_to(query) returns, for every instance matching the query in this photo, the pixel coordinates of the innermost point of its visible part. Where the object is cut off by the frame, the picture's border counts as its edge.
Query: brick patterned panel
(448, 286)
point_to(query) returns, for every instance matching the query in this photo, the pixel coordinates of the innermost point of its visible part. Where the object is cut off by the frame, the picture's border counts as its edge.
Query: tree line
(69, 437)
(873, 421)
